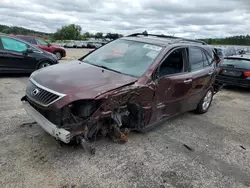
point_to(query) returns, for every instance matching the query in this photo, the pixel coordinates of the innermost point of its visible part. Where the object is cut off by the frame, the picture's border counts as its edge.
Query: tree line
(22, 31)
(69, 32)
(234, 40)
(74, 32)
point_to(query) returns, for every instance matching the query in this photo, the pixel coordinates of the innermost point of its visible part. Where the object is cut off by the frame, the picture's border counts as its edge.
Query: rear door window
(13, 45)
(41, 42)
(208, 60)
(236, 63)
(196, 61)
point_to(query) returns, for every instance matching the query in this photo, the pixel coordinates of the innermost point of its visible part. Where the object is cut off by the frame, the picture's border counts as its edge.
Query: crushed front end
(83, 120)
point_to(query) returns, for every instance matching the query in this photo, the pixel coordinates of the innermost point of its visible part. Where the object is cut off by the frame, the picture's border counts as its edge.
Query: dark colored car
(17, 56)
(132, 83)
(41, 43)
(235, 71)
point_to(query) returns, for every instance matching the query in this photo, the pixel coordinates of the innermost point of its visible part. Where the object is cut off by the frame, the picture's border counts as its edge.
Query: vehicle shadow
(16, 75)
(237, 89)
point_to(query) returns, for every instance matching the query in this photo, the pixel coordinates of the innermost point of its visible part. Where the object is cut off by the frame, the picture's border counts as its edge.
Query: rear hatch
(231, 71)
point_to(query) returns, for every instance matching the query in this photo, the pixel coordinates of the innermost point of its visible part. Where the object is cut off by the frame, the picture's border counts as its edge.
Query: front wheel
(205, 102)
(58, 55)
(44, 64)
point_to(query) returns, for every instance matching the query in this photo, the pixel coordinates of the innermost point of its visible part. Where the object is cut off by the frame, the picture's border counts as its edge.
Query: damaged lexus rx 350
(132, 83)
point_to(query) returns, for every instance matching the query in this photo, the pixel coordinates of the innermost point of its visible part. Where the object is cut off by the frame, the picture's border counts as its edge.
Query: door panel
(173, 86)
(202, 75)
(171, 95)
(200, 82)
(3, 59)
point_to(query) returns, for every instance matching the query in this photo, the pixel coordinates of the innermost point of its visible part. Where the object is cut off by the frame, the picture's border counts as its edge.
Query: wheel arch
(60, 51)
(44, 60)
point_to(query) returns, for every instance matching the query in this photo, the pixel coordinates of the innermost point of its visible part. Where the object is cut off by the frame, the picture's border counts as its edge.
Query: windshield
(41, 42)
(237, 63)
(124, 56)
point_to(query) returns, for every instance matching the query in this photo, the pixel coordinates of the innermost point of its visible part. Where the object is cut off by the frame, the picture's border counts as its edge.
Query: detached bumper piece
(60, 134)
(217, 86)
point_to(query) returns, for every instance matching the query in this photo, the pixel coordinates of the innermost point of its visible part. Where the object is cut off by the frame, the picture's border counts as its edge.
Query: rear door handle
(187, 81)
(210, 73)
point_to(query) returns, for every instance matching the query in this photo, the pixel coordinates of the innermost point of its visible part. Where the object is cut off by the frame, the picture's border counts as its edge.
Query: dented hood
(79, 80)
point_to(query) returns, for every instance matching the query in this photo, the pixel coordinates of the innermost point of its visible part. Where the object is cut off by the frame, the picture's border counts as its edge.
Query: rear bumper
(58, 133)
(233, 81)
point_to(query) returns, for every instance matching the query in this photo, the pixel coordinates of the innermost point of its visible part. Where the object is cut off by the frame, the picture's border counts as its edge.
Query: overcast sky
(186, 18)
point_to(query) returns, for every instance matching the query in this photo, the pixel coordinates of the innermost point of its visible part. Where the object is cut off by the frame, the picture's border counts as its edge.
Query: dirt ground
(72, 53)
(210, 150)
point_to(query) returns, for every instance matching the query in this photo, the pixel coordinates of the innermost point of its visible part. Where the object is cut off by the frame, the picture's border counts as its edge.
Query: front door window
(173, 64)
(42, 42)
(13, 45)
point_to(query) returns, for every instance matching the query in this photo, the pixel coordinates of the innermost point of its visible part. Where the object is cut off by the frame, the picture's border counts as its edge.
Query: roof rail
(179, 39)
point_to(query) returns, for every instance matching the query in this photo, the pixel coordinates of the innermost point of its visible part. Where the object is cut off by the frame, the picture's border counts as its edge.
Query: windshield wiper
(102, 66)
(107, 68)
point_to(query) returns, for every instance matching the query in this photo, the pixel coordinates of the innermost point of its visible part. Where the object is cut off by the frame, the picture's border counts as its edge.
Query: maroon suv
(132, 83)
(41, 43)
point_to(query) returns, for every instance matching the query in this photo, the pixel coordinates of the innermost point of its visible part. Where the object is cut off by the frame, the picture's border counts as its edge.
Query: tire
(44, 64)
(205, 102)
(58, 55)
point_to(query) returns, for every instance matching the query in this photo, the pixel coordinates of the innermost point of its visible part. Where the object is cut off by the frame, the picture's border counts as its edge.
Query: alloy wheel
(58, 55)
(45, 64)
(207, 100)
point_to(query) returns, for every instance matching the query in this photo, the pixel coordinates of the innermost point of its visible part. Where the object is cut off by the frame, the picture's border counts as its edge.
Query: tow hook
(85, 145)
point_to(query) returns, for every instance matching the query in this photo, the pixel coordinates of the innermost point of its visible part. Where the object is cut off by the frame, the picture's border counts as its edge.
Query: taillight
(219, 70)
(247, 73)
(218, 60)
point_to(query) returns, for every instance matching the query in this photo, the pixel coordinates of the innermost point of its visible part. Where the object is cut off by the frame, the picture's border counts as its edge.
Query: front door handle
(187, 81)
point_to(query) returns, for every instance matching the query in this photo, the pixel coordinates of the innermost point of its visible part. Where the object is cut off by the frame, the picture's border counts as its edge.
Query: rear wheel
(58, 55)
(205, 102)
(44, 64)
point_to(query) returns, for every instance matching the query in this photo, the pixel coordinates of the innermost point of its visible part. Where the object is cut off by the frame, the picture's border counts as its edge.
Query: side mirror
(29, 50)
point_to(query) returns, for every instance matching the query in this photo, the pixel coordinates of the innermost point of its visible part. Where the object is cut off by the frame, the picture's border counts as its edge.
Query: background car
(230, 51)
(81, 44)
(220, 52)
(41, 43)
(94, 45)
(235, 71)
(70, 45)
(84, 44)
(17, 56)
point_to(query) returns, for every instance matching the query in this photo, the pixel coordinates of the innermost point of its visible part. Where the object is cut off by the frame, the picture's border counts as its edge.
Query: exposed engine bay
(113, 117)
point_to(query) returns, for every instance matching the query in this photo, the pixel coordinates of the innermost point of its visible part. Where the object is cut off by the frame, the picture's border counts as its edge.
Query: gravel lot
(210, 150)
(72, 53)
